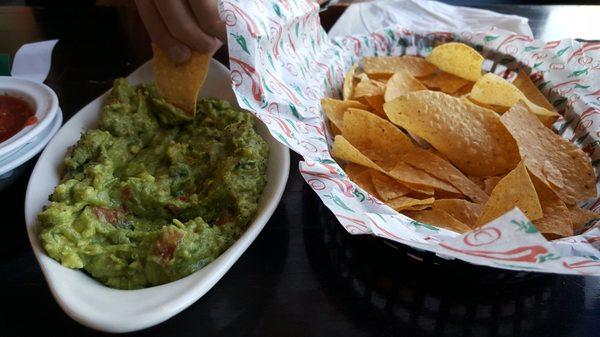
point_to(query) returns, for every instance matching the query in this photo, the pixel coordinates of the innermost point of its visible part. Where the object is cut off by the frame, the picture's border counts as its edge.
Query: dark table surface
(304, 275)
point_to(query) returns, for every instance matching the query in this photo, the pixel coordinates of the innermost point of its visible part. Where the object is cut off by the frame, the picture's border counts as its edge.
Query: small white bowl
(40, 98)
(107, 309)
(10, 163)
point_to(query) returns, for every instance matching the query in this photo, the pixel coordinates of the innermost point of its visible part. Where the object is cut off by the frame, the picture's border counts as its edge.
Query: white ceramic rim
(29, 150)
(84, 299)
(40, 97)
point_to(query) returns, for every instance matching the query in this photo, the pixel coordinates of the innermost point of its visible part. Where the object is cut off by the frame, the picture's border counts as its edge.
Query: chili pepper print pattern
(282, 63)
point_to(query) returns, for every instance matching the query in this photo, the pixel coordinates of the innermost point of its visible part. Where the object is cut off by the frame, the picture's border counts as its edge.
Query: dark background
(304, 275)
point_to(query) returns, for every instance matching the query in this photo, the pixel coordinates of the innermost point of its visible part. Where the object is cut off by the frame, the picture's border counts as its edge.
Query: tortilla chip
(531, 91)
(334, 109)
(363, 179)
(407, 174)
(376, 103)
(441, 169)
(368, 87)
(556, 161)
(352, 170)
(382, 139)
(463, 91)
(499, 109)
(387, 187)
(334, 129)
(417, 207)
(400, 83)
(581, 217)
(402, 203)
(342, 149)
(479, 181)
(493, 89)
(416, 66)
(179, 83)
(490, 183)
(380, 77)
(348, 86)
(445, 82)
(471, 137)
(419, 192)
(556, 222)
(438, 218)
(514, 190)
(457, 59)
(462, 210)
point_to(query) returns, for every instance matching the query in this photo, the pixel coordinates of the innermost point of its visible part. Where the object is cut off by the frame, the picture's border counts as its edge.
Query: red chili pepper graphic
(521, 254)
(251, 72)
(586, 47)
(512, 38)
(250, 25)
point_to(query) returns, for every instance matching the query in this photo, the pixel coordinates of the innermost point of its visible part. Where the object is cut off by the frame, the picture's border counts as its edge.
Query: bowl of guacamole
(151, 195)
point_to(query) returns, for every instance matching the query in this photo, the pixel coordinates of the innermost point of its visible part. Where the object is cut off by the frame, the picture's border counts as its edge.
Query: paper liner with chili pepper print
(282, 63)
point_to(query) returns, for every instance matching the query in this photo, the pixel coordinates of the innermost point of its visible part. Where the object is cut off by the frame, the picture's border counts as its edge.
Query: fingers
(183, 26)
(207, 16)
(177, 51)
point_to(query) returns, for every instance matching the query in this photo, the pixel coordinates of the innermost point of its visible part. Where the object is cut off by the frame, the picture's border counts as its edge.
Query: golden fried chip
(556, 222)
(363, 179)
(499, 109)
(368, 87)
(353, 170)
(471, 137)
(416, 66)
(380, 77)
(457, 59)
(462, 210)
(334, 109)
(442, 169)
(334, 129)
(490, 183)
(438, 218)
(348, 86)
(514, 190)
(581, 217)
(379, 137)
(417, 207)
(493, 89)
(556, 161)
(344, 150)
(445, 82)
(387, 187)
(376, 103)
(179, 83)
(412, 176)
(418, 191)
(531, 91)
(463, 91)
(400, 83)
(401, 203)
(479, 181)
(448, 195)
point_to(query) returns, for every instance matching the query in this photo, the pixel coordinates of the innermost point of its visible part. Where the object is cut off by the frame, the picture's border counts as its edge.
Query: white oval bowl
(112, 310)
(40, 98)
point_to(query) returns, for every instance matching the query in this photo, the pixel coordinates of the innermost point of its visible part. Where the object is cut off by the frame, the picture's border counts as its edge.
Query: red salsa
(15, 114)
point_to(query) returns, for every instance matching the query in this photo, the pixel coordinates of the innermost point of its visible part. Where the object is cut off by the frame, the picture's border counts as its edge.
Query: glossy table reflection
(304, 275)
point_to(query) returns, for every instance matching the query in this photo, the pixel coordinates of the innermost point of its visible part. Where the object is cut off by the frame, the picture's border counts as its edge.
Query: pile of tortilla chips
(445, 144)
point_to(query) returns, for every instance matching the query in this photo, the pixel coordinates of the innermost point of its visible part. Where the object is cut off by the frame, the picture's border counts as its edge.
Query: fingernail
(179, 53)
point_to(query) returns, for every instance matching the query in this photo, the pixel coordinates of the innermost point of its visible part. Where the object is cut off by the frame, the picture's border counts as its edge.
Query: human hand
(179, 27)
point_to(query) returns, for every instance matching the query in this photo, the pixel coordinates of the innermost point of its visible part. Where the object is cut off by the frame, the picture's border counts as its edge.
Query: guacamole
(153, 195)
